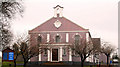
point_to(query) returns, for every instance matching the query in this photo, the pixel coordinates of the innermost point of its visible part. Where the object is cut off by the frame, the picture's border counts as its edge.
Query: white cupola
(58, 11)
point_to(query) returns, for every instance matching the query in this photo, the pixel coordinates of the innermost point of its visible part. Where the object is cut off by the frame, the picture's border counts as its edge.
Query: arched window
(77, 38)
(39, 39)
(57, 39)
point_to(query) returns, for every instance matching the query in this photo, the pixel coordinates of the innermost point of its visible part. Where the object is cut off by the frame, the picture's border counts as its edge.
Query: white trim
(41, 35)
(77, 34)
(87, 37)
(57, 34)
(92, 58)
(38, 34)
(60, 54)
(48, 37)
(59, 31)
(39, 56)
(67, 37)
(70, 54)
(87, 59)
(57, 24)
(48, 55)
(51, 54)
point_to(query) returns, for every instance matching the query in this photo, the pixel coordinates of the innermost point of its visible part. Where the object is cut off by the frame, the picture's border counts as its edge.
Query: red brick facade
(48, 27)
(64, 28)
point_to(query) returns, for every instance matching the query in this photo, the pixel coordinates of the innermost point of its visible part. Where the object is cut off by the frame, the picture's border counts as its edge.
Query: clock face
(57, 24)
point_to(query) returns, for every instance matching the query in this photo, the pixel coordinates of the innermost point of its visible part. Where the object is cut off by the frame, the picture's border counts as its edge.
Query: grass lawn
(0, 61)
(8, 64)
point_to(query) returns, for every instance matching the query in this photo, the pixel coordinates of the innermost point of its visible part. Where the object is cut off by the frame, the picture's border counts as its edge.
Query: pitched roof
(66, 25)
(96, 43)
(57, 6)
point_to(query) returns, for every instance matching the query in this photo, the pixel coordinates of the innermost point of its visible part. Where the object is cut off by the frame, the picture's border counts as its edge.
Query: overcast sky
(99, 16)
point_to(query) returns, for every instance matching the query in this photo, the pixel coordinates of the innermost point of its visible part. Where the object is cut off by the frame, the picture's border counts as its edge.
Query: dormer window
(57, 39)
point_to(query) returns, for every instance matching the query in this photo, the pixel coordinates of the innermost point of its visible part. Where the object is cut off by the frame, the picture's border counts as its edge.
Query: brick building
(60, 32)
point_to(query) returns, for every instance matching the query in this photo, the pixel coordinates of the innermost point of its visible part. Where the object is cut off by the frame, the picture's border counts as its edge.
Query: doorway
(54, 54)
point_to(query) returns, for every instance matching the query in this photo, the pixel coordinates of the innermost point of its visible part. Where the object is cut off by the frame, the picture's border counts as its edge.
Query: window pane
(77, 38)
(45, 51)
(57, 39)
(39, 39)
(64, 51)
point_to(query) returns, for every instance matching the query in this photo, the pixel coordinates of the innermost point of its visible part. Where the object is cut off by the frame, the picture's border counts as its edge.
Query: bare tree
(16, 52)
(27, 50)
(6, 36)
(8, 11)
(9, 8)
(107, 49)
(83, 49)
(97, 47)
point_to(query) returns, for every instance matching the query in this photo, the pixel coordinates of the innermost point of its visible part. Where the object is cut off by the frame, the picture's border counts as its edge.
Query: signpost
(8, 55)
(5, 56)
(11, 56)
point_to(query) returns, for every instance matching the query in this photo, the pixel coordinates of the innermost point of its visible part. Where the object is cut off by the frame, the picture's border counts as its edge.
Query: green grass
(7, 64)
(0, 61)
(18, 62)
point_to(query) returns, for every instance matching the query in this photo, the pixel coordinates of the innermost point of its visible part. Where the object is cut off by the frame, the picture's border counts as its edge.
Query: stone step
(54, 63)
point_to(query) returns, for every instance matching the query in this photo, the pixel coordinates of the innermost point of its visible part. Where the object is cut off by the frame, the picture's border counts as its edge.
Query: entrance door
(54, 54)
